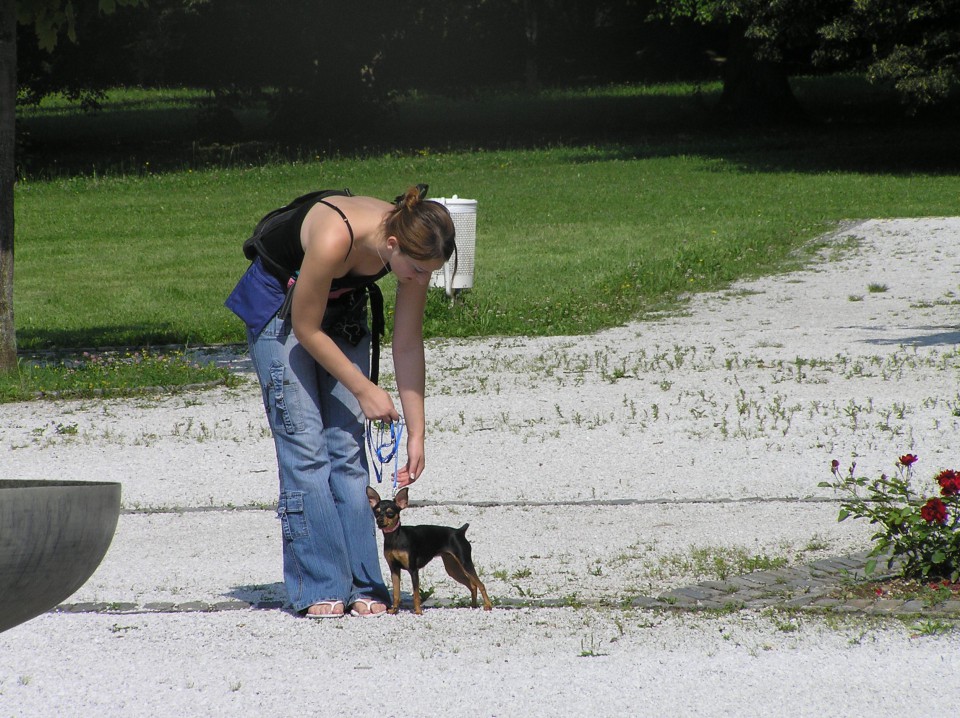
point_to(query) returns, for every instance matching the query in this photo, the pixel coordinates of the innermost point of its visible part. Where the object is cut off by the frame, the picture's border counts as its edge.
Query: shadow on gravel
(946, 338)
(258, 594)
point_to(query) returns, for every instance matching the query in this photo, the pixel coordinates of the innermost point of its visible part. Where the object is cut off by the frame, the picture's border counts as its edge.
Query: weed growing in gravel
(589, 649)
(816, 543)
(566, 364)
(117, 628)
(660, 387)
(784, 621)
(932, 627)
(716, 563)
(571, 600)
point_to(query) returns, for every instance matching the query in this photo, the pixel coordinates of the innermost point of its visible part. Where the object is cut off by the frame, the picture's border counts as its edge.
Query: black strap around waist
(378, 328)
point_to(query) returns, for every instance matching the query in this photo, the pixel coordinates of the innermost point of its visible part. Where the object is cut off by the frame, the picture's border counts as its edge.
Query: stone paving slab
(801, 587)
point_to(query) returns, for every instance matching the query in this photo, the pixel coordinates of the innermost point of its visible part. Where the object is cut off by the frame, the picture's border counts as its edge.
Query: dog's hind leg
(468, 577)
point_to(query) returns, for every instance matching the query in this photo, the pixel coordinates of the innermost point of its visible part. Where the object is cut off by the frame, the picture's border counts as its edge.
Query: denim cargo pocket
(285, 400)
(290, 512)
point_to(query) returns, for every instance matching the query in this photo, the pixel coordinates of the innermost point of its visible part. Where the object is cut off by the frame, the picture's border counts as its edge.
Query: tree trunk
(8, 101)
(531, 74)
(755, 91)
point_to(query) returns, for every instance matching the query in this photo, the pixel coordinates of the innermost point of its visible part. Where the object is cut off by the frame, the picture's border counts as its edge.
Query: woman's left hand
(403, 477)
(411, 472)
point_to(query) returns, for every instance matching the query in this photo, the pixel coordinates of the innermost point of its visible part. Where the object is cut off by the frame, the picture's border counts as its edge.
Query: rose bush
(921, 530)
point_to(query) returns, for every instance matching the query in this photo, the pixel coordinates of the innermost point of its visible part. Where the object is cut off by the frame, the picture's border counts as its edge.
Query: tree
(912, 46)
(316, 64)
(49, 18)
(8, 99)
(766, 40)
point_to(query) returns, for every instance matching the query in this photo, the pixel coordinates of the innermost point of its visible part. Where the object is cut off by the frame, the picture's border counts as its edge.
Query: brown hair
(423, 228)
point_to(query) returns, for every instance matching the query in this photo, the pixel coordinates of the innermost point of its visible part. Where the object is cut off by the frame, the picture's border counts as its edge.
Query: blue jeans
(329, 535)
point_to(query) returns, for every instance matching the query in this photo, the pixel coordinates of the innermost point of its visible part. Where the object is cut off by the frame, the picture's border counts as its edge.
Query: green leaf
(46, 35)
(938, 557)
(870, 567)
(843, 514)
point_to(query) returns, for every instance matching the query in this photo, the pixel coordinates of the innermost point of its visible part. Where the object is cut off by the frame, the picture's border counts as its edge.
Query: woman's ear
(392, 243)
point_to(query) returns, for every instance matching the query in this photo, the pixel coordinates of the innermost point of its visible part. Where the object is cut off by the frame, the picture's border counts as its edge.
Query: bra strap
(343, 217)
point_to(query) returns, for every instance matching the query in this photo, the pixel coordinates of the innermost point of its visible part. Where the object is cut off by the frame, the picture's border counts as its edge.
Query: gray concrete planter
(53, 535)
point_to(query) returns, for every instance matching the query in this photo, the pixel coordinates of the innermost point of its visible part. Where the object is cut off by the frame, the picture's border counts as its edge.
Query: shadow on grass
(849, 127)
(102, 337)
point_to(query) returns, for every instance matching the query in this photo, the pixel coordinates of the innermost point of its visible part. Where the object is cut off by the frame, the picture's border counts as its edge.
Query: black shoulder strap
(252, 247)
(303, 199)
(343, 217)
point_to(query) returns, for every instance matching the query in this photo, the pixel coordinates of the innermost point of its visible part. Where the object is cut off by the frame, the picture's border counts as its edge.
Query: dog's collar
(390, 531)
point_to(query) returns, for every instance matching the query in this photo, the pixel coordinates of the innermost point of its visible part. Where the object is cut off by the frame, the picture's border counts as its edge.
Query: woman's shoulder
(362, 203)
(326, 232)
(354, 210)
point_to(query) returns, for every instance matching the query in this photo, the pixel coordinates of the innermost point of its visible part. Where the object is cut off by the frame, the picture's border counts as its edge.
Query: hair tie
(401, 199)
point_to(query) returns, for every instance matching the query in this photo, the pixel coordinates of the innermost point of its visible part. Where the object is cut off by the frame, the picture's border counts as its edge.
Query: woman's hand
(403, 477)
(377, 405)
(411, 472)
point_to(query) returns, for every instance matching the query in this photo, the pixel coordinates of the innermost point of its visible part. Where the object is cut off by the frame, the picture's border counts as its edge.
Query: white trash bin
(463, 212)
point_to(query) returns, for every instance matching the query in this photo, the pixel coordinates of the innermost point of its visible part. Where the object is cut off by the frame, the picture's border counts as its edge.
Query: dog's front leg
(415, 580)
(395, 577)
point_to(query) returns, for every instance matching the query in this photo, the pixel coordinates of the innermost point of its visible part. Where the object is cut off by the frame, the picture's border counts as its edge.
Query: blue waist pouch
(257, 297)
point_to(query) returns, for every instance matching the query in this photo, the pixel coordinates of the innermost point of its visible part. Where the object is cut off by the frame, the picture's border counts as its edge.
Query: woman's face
(408, 269)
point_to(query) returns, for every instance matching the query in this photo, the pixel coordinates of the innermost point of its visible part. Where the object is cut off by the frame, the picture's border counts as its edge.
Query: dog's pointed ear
(401, 498)
(373, 496)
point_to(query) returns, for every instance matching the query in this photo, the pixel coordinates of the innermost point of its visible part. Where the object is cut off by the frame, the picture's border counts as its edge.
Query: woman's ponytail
(412, 197)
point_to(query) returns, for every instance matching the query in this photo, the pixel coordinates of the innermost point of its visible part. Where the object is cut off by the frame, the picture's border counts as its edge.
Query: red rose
(907, 459)
(934, 511)
(949, 481)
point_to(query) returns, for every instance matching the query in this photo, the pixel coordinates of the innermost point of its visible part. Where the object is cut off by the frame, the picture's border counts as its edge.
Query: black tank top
(282, 245)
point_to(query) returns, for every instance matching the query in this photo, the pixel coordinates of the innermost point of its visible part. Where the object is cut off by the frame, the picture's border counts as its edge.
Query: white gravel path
(591, 469)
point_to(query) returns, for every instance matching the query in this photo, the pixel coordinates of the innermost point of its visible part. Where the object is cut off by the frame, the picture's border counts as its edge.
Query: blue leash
(384, 451)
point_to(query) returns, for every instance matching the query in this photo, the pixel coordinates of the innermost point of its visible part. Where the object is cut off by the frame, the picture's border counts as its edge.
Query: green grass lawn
(573, 235)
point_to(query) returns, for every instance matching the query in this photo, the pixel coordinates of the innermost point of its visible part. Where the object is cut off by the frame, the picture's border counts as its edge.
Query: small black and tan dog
(413, 547)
